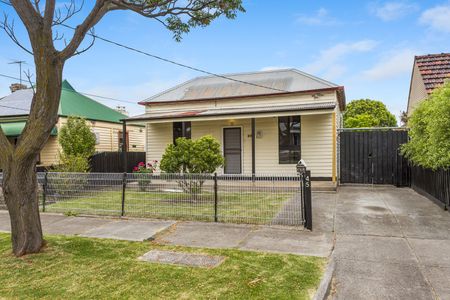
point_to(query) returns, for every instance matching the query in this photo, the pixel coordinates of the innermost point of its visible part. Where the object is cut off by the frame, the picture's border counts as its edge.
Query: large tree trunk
(21, 197)
(19, 181)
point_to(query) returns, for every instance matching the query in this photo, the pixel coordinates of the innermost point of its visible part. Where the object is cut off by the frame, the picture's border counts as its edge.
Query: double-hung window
(289, 140)
(181, 129)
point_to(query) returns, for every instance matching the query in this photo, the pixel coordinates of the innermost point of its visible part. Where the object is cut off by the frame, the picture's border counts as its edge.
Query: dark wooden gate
(373, 157)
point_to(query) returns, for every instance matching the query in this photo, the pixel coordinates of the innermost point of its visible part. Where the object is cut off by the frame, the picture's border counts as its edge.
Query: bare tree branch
(9, 29)
(71, 10)
(101, 7)
(29, 75)
(91, 44)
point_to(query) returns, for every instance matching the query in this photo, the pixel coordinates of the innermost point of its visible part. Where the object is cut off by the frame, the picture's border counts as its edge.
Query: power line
(17, 108)
(176, 63)
(82, 93)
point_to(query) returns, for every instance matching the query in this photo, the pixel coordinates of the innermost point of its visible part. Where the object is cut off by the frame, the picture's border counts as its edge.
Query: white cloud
(394, 10)
(320, 17)
(437, 18)
(391, 65)
(329, 59)
(335, 72)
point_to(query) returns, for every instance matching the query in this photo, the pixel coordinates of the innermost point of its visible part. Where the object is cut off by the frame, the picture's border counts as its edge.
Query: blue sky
(366, 46)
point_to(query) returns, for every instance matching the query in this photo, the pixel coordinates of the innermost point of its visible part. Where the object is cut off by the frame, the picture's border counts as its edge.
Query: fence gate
(372, 156)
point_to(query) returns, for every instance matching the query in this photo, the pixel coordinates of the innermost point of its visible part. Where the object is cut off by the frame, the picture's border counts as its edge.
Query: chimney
(122, 110)
(17, 86)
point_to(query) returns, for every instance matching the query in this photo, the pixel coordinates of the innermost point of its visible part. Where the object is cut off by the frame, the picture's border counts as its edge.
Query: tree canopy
(429, 144)
(368, 113)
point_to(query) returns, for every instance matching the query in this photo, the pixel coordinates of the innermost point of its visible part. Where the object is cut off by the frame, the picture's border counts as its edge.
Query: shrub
(368, 113)
(202, 156)
(143, 174)
(429, 144)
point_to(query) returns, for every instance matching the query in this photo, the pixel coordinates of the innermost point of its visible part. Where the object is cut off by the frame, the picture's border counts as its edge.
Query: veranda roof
(241, 112)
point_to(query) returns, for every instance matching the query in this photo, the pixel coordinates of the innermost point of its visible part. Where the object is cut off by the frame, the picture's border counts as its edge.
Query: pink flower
(141, 164)
(135, 169)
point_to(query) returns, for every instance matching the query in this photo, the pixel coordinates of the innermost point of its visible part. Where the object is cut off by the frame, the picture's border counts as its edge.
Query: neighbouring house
(266, 121)
(104, 121)
(429, 72)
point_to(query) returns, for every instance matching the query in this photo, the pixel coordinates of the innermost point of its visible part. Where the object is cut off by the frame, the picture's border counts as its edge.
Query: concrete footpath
(390, 243)
(191, 234)
(386, 242)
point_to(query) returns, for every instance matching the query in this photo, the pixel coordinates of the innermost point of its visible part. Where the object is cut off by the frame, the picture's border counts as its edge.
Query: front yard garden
(251, 207)
(80, 268)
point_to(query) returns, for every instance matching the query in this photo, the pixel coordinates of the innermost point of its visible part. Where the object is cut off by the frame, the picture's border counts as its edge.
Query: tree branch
(100, 9)
(9, 30)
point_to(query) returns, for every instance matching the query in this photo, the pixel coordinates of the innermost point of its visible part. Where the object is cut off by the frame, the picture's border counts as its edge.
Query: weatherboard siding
(316, 142)
(109, 135)
(241, 102)
(159, 136)
(50, 152)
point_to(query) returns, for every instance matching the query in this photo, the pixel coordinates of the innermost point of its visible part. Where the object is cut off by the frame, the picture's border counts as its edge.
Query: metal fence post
(307, 199)
(44, 191)
(215, 198)
(124, 187)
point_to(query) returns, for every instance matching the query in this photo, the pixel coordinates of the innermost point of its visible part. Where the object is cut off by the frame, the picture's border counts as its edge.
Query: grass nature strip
(83, 268)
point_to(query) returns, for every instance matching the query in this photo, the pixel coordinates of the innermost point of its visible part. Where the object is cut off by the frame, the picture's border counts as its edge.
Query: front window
(289, 140)
(181, 129)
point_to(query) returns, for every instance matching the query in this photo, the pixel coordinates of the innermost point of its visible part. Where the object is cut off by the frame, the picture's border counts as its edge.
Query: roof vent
(17, 86)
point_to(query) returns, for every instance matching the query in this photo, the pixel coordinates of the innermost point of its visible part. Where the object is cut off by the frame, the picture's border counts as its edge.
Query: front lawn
(249, 207)
(81, 268)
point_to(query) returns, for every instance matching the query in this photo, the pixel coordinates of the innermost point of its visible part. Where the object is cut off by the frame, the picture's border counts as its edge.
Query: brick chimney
(17, 86)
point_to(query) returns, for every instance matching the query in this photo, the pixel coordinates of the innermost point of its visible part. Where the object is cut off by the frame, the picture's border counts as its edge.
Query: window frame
(184, 130)
(291, 146)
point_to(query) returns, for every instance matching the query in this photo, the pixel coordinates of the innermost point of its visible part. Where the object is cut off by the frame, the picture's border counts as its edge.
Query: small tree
(202, 156)
(368, 113)
(429, 144)
(78, 145)
(76, 138)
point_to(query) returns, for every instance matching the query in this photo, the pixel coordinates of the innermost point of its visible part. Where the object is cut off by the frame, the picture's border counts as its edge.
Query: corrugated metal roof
(232, 111)
(72, 104)
(266, 82)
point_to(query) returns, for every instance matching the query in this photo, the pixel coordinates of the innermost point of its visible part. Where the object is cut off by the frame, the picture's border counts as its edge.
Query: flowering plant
(145, 171)
(143, 168)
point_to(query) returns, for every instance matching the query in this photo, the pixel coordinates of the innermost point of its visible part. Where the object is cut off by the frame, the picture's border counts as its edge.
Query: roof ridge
(242, 81)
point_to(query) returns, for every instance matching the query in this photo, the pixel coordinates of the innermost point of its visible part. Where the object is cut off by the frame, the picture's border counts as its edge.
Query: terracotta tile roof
(434, 68)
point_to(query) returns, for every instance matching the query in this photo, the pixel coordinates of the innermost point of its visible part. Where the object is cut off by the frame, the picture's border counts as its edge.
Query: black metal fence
(253, 199)
(432, 184)
(112, 162)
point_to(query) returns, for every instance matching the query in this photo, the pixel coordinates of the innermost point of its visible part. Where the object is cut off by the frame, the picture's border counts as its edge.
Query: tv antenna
(19, 62)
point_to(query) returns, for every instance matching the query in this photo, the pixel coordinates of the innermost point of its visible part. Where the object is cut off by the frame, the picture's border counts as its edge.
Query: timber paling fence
(250, 199)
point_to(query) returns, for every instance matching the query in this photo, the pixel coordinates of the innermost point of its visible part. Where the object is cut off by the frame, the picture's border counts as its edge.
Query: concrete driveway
(390, 243)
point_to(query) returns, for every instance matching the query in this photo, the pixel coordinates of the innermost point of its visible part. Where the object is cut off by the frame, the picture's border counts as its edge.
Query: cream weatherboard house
(105, 122)
(265, 121)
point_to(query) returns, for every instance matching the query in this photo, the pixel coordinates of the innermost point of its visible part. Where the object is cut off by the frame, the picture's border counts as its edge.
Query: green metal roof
(75, 104)
(16, 128)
